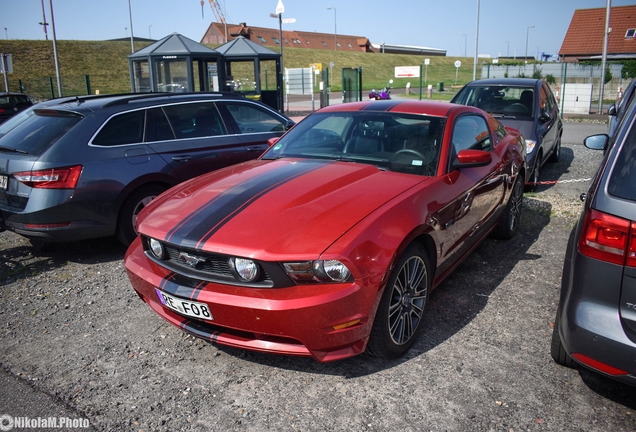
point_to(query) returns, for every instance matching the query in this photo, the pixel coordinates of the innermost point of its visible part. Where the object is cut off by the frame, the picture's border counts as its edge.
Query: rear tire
(556, 348)
(398, 321)
(127, 219)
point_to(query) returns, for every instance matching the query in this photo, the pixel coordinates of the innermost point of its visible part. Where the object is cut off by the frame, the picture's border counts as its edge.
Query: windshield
(514, 101)
(406, 143)
(33, 134)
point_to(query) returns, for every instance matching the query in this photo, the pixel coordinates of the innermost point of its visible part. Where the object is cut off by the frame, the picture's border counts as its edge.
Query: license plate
(185, 307)
(3, 182)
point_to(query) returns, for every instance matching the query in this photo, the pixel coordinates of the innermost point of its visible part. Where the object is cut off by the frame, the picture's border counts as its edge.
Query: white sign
(288, 20)
(407, 71)
(280, 7)
(427, 62)
(458, 64)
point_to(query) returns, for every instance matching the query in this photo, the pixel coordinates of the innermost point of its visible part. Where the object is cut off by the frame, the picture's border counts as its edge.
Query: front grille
(214, 265)
(204, 266)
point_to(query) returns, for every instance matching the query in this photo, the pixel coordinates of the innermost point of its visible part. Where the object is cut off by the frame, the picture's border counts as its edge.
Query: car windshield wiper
(13, 150)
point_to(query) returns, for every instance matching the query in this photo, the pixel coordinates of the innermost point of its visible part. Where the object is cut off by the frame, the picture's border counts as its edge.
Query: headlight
(530, 145)
(321, 271)
(245, 269)
(156, 248)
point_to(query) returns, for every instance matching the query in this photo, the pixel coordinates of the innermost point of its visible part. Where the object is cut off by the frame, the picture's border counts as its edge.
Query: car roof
(95, 102)
(436, 109)
(529, 82)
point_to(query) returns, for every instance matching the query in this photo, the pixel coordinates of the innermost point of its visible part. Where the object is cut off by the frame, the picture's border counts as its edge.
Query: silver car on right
(595, 324)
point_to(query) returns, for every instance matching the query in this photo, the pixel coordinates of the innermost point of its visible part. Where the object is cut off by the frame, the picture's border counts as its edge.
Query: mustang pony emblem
(190, 259)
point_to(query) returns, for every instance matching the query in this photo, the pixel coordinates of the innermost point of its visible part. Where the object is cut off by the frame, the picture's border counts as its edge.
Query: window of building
(261, 38)
(308, 42)
(630, 33)
(325, 45)
(276, 41)
(338, 43)
(296, 41)
(349, 45)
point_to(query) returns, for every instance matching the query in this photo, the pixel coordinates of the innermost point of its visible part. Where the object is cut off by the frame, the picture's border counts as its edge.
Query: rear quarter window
(622, 181)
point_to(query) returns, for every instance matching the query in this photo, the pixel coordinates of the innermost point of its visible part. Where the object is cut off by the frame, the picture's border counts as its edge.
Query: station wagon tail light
(608, 238)
(319, 271)
(56, 178)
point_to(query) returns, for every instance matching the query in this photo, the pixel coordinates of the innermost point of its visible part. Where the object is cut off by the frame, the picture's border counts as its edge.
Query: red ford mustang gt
(331, 242)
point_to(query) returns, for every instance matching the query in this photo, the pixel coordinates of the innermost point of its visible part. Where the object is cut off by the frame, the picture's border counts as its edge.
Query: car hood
(526, 127)
(270, 209)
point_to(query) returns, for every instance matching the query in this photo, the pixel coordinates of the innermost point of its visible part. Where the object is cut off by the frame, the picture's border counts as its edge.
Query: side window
(254, 119)
(127, 128)
(195, 120)
(471, 132)
(157, 126)
(544, 102)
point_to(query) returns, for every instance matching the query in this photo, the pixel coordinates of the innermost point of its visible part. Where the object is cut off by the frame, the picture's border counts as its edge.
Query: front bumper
(299, 320)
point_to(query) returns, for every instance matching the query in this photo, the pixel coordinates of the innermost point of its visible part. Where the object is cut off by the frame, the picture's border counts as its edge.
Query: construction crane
(218, 13)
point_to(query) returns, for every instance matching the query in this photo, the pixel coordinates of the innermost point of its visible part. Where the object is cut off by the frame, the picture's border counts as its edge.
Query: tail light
(56, 178)
(609, 238)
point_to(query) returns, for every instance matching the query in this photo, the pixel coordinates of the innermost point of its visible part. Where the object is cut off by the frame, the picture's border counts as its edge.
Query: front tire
(127, 219)
(510, 219)
(556, 153)
(398, 321)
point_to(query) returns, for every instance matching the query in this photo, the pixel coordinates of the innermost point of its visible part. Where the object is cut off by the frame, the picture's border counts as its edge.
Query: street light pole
(465, 43)
(132, 39)
(335, 28)
(507, 48)
(527, 33)
(44, 23)
(57, 61)
(149, 34)
(476, 44)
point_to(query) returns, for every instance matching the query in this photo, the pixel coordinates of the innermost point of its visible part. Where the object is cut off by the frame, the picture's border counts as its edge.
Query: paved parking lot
(75, 341)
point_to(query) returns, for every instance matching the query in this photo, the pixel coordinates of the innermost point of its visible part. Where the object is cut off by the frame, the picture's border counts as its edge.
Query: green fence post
(420, 82)
(87, 78)
(51, 87)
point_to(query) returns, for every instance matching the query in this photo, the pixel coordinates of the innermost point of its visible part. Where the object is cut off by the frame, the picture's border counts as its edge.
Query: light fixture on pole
(525, 58)
(465, 43)
(6, 33)
(335, 28)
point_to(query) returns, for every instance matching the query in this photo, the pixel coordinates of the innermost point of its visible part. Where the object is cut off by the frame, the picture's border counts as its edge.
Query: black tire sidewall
(380, 342)
(125, 231)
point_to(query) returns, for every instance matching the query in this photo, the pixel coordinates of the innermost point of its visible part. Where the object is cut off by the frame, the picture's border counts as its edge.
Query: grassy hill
(106, 65)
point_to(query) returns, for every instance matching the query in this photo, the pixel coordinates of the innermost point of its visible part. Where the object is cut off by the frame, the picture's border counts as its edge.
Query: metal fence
(574, 82)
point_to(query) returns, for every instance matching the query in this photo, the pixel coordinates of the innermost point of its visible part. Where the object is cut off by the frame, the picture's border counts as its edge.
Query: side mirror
(472, 158)
(272, 141)
(596, 142)
(612, 110)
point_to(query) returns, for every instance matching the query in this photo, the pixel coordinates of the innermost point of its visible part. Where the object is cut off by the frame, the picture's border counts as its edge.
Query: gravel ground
(73, 331)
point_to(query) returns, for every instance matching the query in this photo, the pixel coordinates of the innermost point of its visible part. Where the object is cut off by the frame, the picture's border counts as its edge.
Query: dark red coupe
(331, 242)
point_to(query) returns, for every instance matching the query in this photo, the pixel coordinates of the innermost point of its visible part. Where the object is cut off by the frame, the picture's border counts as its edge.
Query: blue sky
(503, 24)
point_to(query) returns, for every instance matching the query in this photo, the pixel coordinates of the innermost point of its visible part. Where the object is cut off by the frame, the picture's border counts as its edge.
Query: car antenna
(78, 100)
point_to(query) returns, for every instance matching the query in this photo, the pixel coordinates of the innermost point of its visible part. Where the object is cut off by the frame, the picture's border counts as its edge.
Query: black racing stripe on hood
(194, 231)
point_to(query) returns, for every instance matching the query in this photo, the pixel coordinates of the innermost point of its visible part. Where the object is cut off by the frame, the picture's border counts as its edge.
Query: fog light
(245, 269)
(156, 248)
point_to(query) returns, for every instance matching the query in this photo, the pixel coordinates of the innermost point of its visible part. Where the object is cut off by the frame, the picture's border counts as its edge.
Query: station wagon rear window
(38, 132)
